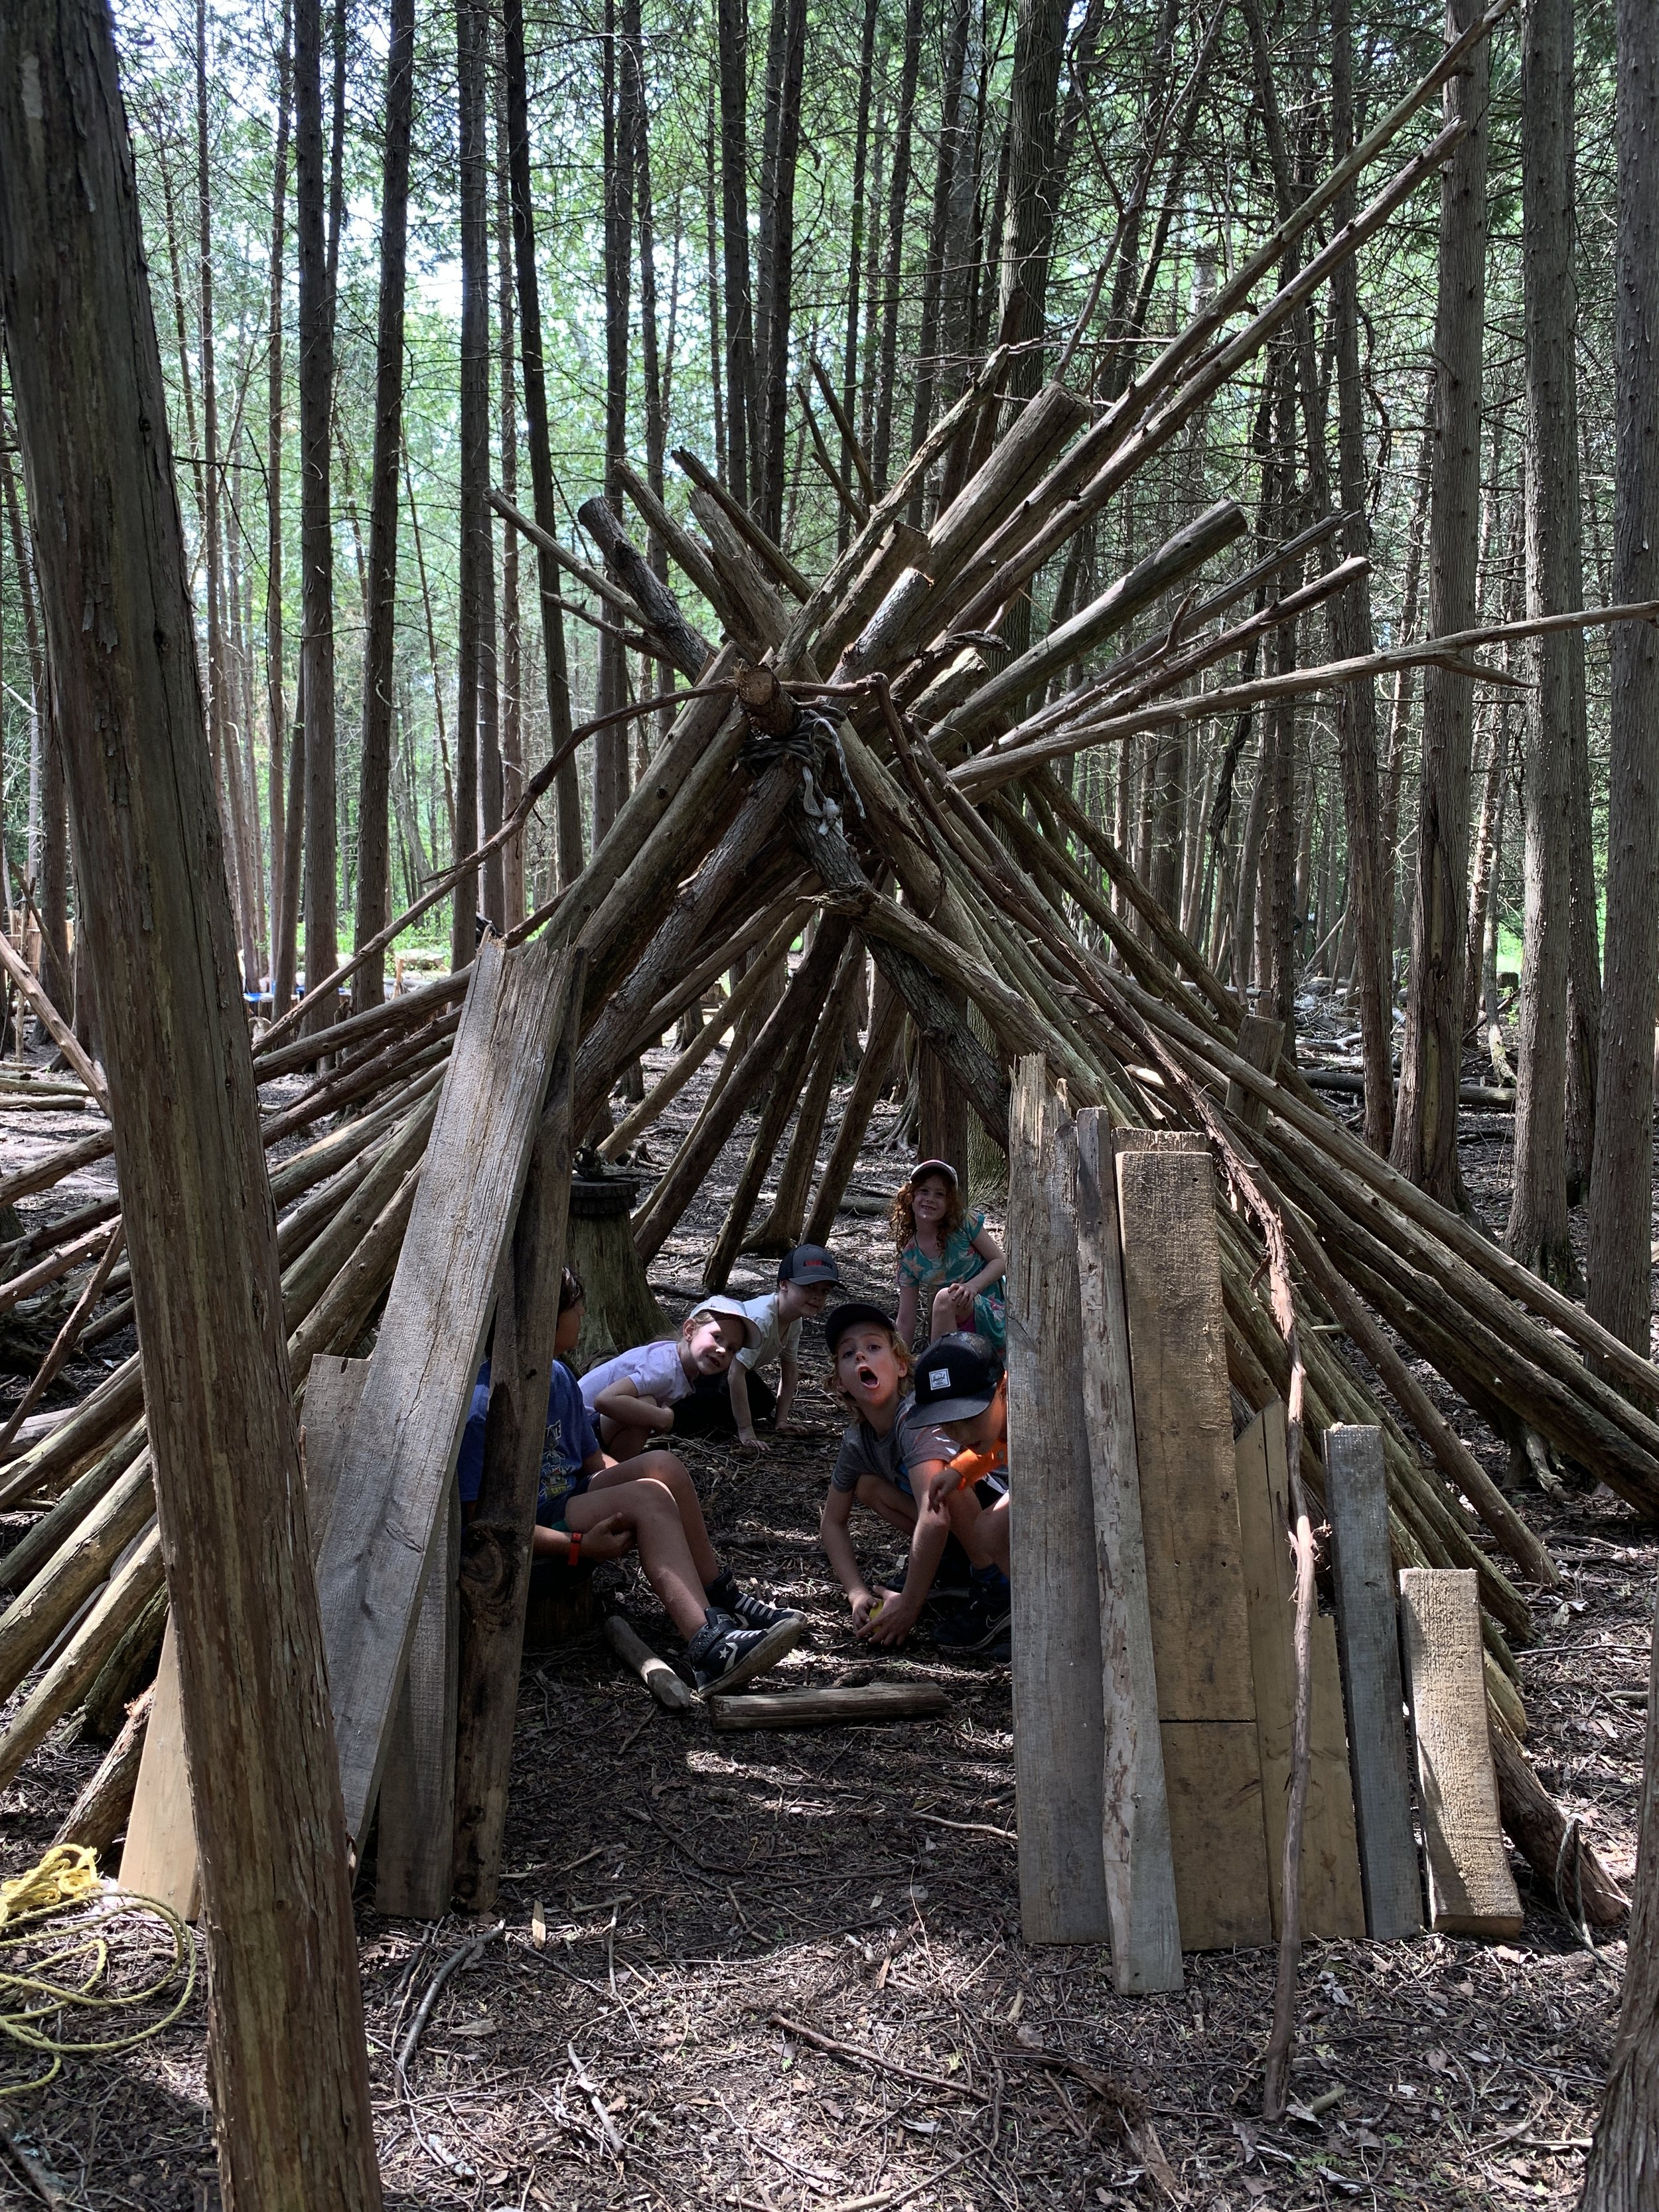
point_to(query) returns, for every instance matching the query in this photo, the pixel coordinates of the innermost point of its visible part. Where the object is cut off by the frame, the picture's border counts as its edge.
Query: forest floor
(676, 1899)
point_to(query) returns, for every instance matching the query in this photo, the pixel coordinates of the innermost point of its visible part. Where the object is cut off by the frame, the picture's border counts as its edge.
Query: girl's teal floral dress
(958, 1263)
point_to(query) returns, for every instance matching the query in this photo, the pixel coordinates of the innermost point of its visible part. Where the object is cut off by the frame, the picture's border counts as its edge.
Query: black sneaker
(981, 1626)
(723, 1655)
(747, 1610)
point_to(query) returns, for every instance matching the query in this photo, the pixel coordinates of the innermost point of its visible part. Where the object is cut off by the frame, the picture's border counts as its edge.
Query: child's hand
(893, 1623)
(610, 1539)
(963, 1299)
(749, 1441)
(664, 1417)
(865, 1604)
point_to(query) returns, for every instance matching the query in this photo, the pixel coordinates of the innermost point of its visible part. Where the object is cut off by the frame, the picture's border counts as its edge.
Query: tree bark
(511, 666)
(933, 283)
(777, 258)
(470, 31)
(1028, 232)
(282, 919)
(1538, 1212)
(732, 28)
(567, 791)
(849, 364)
(375, 790)
(898, 193)
(1622, 2171)
(622, 107)
(1621, 1176)
(288, 2062)
(1426, 1128)
(316, 518)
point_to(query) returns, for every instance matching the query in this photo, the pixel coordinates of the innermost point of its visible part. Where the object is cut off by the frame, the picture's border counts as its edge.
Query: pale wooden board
(1368, 1638)
(1138, 1857)
(1189, 1518)
(403, 1444)
(1184, 1425)
(1212, 1775)
(1470, 1889)
(1332, 1902)
(1056, 1627)
(158, 1859)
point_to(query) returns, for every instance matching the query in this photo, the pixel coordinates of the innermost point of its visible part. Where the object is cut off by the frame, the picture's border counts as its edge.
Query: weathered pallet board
(1137, 1853)
(1368, 1638)
(1055, 1626)
(1470, 1889)
(1190, 1517)
(403, 1444)
(158, 1858)
(1332, 1901)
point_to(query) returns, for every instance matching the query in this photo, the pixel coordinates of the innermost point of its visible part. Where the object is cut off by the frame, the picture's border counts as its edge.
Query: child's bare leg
(944, 1316)
(664, 1468)
(982, 1531)
(624, 1443)
(649, 1508)
(888, 1501)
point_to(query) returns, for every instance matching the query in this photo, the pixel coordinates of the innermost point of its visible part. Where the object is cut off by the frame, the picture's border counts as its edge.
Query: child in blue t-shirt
(590, 1508)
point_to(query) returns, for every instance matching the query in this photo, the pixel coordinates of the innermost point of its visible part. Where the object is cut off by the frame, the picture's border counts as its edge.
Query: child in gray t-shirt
(881, 1449)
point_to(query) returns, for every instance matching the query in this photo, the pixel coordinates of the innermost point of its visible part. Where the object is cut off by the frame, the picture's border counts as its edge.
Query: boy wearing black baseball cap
(806, 1276)
(962, 1388)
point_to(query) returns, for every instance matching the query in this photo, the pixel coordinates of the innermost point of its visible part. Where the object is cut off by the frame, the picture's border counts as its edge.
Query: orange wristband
(573, 1538)
(974, 1465)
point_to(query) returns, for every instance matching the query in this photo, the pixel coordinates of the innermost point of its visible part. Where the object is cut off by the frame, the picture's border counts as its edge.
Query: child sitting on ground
(962, 1389)
(632, 1397)
(947, 1255)
(591, 1508)
(887, 1445)
(805, 1277)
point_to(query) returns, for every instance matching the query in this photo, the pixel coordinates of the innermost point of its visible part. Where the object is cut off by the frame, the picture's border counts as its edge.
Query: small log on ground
(787, 1709)
(99, 1812)
(658, 1676)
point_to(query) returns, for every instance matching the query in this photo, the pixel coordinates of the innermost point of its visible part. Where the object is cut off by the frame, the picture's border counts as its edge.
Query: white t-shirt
(655, 1370)
(772, 1342)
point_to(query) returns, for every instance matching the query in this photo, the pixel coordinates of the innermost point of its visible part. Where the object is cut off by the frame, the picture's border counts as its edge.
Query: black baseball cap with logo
(808, 1263)
(855, 1314)
(956, 1377)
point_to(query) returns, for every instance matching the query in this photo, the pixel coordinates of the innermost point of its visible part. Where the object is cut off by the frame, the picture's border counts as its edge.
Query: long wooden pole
(288, 2061)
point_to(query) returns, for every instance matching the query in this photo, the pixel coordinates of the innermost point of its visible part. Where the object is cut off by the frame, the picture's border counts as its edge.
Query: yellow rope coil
(67, 1916)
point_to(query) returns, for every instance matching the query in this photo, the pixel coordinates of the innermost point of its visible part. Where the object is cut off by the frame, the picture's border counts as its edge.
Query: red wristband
(574, 1539)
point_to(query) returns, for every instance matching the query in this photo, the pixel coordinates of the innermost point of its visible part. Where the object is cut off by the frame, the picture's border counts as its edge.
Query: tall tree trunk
(732, 28)
(711, 241)
(512, 669)
(471, 23)
(777, 256)
(316, 516)
(46, 762)
(1369, 883)
(933, 284)
(567, 791)
(287, 2059)
(1400, 707)
(849, 362)
(1621, 1176)
(282, 920)
(655, 374)
(623, 107)
(898, 195)
(380, 645)
(1425, 1128)
(1537, 1212)
(1027, 226)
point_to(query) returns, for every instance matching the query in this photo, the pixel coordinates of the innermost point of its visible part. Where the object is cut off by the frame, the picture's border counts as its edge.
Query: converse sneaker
(724, 1656)
(747, 1610)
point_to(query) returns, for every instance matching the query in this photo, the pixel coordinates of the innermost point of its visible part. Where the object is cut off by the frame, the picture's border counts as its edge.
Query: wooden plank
(414, 1851)
(1056, 1627)
(787, 1709)
(1332, 1902)
(1470, 1889)
(158, 1859)
(1368, 1639)
(1213, 1777)
(1138, 1857)
(1190, 1517)
(403, 1443)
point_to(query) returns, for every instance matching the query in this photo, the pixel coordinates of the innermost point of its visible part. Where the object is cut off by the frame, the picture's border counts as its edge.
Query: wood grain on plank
(1138, 1856)
(1471, 1888)
(1189, 1518)
(1368, 1638)
(1056, 1627)
(1333, 1901)
(158, 1859)
(415, 1849)
(403, 1441)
